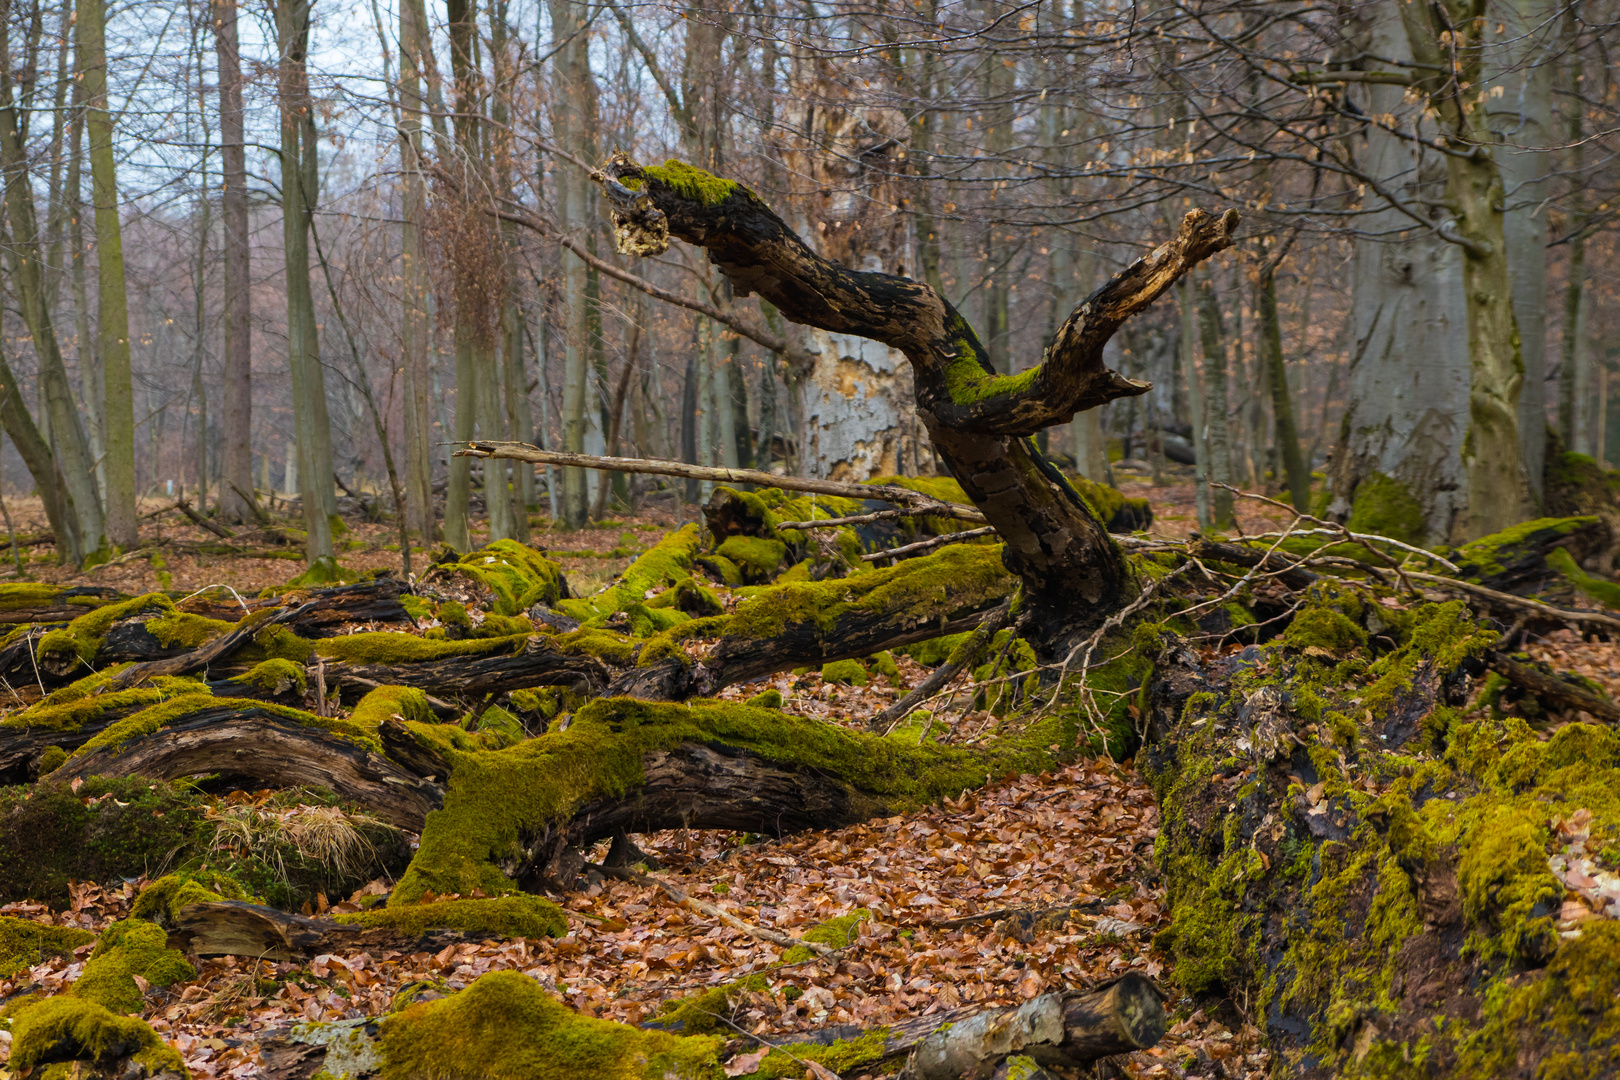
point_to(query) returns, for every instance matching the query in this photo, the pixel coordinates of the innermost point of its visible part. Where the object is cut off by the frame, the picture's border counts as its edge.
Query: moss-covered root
(84, 1021)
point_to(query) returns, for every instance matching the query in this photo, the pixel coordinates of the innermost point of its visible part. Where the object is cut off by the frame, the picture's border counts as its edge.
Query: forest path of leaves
(1084, 834)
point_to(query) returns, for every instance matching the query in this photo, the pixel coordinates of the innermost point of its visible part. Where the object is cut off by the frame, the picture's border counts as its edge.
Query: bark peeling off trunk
(270, 748)
(1370, 870)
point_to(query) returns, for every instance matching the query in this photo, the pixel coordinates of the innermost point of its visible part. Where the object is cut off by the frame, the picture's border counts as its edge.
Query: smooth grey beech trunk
(1407, 410)
(236, 466)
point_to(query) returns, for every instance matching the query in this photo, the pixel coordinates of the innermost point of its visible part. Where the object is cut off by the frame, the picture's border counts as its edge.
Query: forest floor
(1082, 836)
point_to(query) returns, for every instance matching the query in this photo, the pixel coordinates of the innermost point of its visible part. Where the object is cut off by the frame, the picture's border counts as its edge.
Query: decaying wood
(237, 928)
(1555, 691)
(1065, 1029)
(250, 742)
(538, 663)
(61, 608)
(919, 502)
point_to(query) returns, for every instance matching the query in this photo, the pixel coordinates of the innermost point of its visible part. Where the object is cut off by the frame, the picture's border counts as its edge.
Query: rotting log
(502, 1012)
(238, 928)
(1382, 877)
(539, 663)
(1066, 1029)
(268, 747)
(1554, 691)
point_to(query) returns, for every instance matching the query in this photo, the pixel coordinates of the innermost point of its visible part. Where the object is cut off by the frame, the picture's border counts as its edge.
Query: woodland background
(422, 284)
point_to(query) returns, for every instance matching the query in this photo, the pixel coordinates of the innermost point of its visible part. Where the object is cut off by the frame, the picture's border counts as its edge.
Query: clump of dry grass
(322, 835)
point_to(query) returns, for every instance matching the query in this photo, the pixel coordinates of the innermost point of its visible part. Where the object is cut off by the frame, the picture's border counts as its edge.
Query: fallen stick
(1552, 689)
(923, 504)
(925, 545)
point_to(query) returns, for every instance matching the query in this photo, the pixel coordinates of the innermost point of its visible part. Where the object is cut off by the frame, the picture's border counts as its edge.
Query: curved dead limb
(269, 747)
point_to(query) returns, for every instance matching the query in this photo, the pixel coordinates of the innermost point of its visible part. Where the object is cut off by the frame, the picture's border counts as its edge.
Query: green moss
(390, 647)
(1606, 593)
(82, 637)
(66, 1028)
(69, 708)
(517, 576)
(185, 631)
(277, 643)
(691, 182)
(842, 1056)
(702, 1013)
(969, 378)
(496, 798)
(883, 663)
(505, 1025)
(503, 917)
(766, 699)
(386, 702)
(323, 572)
(1385, 506)
(275, 677)
(33, 594)
(935, 651)
(24, 943)
(837, 933)
(915, 589)
(848, 672)
(156, 717)
(1491, 556)
(756, 558)
(162, 899)
(1324, 628)
(126, 949)
(666, 564)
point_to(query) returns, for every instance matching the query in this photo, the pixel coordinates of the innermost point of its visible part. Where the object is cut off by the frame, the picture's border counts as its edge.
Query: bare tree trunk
(572, 89)
(298, 175)
(1217, 436)
(237, 434)
(112, 308)
(1286, 435)
(1188, 301)
(1519, 111)
(92, 378)
(72, 455)
(415, 330)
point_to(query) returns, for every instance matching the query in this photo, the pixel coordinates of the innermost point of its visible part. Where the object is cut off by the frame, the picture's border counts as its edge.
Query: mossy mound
(666, 564)
(1387, 507)
(848, 672)
(24, 943)
(502, 917)
(54, 835)
(1515, 559)
(506, 1025)
(70, 708)
(514, 576)
(68, 1028)
(129, 948)
(389, 702)
(1343, 843)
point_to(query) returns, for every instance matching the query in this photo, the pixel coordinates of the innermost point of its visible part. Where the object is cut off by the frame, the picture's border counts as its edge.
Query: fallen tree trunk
(238, 928)
(506, 1013)
(540, 663)
(250, 742)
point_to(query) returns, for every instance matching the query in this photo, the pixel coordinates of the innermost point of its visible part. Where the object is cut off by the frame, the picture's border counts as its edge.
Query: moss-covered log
(239, 928)
(1396, 888)
(280, 748)
(505, 1024)
(537, 661)
(814, 623)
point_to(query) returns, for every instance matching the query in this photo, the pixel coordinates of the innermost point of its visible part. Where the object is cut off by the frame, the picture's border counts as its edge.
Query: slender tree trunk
(1195, 400)
(1286, 435)
(112, 309)
(237, 441)
(198, 389)
(313, 439)
(72, 455)
(415, 331)
(92, 378)
(1217, 436)
(572, 89)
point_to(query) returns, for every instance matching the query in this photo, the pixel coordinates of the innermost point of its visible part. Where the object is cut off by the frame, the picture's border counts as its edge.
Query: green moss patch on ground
(24, 943)
(516, 576)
